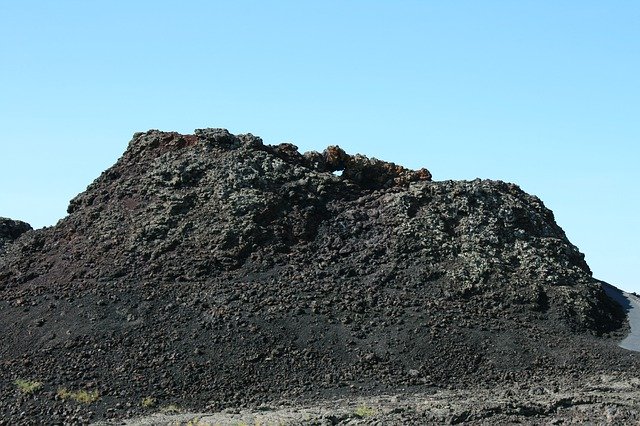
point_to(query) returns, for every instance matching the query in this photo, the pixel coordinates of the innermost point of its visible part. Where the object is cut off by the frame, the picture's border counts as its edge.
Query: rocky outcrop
(10, 230)
(215, 269)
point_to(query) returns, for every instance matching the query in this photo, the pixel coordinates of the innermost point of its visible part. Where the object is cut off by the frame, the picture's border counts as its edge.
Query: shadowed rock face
(213, 267)
(10, 230)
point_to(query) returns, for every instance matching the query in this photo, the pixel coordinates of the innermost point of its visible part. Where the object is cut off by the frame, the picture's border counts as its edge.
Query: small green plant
(170, 409)
(82, 396)
(63, 393)
(86, 397)
(364, 411)
(148, 402)
(28, 386)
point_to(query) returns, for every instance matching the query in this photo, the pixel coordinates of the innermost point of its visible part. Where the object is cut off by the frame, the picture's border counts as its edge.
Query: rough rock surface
(10, 230)
(603, 399)
(211, 270)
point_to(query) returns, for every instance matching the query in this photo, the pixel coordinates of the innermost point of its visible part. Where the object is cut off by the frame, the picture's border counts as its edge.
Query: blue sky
(545, 94)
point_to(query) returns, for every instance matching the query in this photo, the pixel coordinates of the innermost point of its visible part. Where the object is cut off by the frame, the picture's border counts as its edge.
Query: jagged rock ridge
(213, 269)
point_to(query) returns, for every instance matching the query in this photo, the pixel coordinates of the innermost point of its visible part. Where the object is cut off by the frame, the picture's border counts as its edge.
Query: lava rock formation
(212, 270)
(10, 230)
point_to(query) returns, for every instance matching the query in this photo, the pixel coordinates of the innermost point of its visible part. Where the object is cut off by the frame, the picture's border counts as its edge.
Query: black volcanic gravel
(211, 270)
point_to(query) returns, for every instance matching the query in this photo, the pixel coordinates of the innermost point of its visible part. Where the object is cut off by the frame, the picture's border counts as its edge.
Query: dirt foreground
(606, 399)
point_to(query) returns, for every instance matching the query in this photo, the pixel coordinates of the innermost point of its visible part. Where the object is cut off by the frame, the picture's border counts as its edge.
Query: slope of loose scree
(211, 270)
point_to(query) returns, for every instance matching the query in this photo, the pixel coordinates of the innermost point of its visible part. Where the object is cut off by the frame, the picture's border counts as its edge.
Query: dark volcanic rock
(213, 270)
(10, 230)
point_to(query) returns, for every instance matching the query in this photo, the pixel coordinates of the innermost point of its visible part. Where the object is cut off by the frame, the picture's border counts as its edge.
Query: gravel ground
(597, 400)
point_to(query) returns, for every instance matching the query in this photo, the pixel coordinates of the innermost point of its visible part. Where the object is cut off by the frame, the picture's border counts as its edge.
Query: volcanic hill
(212, 270)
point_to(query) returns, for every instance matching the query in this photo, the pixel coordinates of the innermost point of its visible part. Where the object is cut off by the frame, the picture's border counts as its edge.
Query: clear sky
(545, 94)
